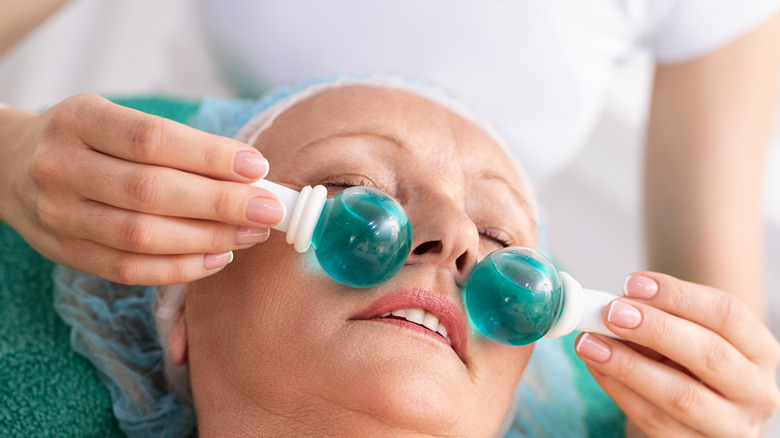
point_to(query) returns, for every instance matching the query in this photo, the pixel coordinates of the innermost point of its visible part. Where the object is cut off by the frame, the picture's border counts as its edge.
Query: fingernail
(624, 315)
(639, 286)
(250, 165)
(251, 236)
(264, 211)
(593, 348)
(214, 261)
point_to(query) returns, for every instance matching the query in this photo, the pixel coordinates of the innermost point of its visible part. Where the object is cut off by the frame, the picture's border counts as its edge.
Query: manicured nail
(264, 211)
(214, 261)
(639, 286)
(593, 348)
(250, 165)
(251, 236)
(624, 315)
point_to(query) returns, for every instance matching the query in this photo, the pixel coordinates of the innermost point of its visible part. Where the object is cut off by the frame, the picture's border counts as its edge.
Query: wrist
(14, 128)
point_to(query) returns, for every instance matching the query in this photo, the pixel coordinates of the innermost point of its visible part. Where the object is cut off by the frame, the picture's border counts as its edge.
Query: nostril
(425, 247)
(460, 263)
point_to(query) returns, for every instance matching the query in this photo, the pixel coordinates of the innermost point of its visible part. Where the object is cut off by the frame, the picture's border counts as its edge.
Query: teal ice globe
(362, 238)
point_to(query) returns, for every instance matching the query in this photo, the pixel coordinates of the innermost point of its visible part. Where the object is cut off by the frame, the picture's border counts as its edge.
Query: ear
(178, 341)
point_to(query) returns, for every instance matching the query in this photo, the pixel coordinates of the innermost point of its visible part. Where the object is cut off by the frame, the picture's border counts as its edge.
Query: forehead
(426, 128)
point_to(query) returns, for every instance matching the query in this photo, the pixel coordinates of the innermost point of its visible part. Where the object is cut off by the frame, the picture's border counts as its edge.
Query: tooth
(415, 315)
(430, 321)
(401, 313)
(384, 315)
(442, 331)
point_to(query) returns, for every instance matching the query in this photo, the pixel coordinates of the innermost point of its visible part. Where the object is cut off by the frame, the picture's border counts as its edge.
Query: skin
(20, 18)
(709, 127)
(270, 342)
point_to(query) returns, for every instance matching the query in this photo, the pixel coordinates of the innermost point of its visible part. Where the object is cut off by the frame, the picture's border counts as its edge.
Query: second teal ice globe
(514, 296)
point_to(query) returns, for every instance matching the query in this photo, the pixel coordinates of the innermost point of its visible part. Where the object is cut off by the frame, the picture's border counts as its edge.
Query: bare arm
(18, 18)
(709, 126)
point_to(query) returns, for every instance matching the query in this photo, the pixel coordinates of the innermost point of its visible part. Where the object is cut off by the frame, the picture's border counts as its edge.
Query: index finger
(144, 138)
(708, 307)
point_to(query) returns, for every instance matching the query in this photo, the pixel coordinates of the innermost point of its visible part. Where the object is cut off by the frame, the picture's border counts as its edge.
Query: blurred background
(592, 207)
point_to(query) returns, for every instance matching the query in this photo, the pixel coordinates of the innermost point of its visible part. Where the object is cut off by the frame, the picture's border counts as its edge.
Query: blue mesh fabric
(112, 325)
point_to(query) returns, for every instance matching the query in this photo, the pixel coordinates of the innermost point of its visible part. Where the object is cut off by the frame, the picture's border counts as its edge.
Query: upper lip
(439, 305)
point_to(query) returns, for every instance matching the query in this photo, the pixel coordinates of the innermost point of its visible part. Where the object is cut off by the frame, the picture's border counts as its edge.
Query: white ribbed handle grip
(301, 211)
(582, 310)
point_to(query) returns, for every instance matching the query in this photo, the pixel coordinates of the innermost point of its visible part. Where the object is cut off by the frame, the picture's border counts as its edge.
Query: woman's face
(273, 342)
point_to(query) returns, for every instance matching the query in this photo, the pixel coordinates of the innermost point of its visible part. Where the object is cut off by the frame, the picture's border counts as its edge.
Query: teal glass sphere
(514, 296)
(362, 238)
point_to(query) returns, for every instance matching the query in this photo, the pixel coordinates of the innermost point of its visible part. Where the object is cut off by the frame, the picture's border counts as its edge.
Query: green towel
(48, 390)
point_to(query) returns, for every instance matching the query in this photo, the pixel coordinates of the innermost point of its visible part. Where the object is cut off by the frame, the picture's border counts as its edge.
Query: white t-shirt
(538, 69)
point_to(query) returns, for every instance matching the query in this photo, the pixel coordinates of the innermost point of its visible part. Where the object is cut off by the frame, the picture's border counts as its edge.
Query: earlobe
(178, 341)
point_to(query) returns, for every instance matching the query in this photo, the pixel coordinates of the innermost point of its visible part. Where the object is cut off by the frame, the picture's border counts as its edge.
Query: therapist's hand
(130, 197)
(698, 363)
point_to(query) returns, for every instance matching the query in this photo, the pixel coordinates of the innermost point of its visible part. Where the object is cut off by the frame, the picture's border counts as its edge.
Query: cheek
(277, 290)
(254, 315)
(502, 366)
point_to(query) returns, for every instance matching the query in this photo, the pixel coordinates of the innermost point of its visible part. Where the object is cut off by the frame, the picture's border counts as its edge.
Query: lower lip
(413, 327)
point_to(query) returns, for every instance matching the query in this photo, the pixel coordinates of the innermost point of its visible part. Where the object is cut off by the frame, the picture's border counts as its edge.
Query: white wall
(110, 47)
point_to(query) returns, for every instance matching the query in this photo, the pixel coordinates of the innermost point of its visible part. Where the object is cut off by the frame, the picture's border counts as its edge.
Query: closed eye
(347, 181)
(497, 236)
(335, 184)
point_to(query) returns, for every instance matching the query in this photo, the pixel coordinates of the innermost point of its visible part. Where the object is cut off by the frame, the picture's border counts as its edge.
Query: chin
(418, 405)
(413, 402)
(405, 385)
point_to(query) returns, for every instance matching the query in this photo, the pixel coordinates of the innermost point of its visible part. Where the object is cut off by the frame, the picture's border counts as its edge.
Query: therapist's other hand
(698, 362)
(130, 197)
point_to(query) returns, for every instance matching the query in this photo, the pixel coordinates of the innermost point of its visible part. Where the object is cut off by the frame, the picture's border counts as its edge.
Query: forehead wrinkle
(394, 140)
(488, 174)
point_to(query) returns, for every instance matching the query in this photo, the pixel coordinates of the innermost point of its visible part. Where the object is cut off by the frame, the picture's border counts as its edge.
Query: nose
(444, 235)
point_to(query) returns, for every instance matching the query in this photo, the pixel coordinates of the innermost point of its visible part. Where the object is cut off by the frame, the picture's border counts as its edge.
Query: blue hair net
(113, 326)
(227, 116)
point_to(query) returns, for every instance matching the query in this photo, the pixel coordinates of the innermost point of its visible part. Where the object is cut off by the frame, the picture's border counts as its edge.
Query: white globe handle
(306, 207)
(583, 310)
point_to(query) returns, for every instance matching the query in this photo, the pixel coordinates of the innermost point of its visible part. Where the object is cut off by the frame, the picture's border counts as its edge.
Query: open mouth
(429, 313)
(421, 318)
